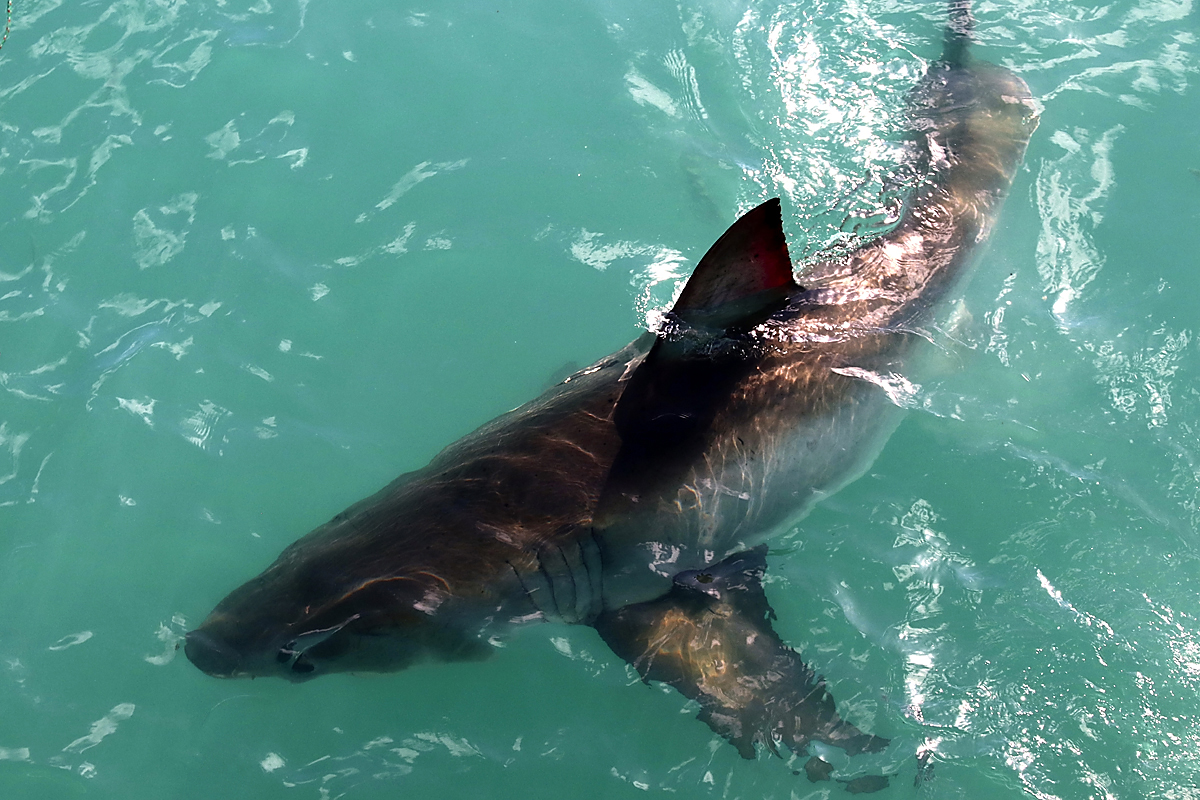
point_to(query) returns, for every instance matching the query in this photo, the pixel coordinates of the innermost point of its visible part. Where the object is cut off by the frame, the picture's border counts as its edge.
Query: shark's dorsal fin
(746, 271)
(701, 353)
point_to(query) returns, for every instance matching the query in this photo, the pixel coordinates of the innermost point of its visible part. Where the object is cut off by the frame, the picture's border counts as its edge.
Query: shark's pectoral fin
(711, 638)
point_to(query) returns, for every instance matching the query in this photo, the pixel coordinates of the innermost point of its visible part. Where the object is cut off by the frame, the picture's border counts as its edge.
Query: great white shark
(636, 495)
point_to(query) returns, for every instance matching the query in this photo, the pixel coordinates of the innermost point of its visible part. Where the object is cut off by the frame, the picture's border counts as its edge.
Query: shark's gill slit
(521, 582)
(593, 562)
(552, 588)
(567, 597)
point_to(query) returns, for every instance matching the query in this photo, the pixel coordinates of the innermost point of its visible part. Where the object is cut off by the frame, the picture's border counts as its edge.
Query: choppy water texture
(260, 256)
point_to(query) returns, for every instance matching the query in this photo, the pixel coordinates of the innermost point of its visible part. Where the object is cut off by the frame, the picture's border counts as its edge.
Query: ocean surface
(258, 257)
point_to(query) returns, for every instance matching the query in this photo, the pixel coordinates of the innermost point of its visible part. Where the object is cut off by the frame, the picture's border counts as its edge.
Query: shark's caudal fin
(711, 638)
(958, 33)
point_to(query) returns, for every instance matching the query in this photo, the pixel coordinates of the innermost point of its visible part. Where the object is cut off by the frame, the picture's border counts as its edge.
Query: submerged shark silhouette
(635, 495)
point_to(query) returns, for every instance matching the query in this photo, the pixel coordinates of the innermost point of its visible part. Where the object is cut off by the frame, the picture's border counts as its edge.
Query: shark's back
(810, 405)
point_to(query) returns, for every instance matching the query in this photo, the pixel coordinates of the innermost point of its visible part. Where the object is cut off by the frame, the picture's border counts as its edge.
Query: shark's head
(327, 605)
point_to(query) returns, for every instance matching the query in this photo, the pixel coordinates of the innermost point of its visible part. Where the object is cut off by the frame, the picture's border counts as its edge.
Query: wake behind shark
(636, 495)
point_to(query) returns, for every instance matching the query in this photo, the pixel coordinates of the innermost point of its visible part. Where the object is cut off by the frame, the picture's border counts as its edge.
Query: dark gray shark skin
(601, 501)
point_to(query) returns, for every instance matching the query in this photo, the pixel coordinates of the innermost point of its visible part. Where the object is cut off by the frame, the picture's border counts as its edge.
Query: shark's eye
(703, 577)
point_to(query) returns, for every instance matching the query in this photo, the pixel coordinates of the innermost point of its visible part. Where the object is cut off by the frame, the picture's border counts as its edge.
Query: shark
(638, 494)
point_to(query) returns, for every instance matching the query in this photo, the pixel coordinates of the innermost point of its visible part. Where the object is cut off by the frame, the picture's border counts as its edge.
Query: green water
(257, 258)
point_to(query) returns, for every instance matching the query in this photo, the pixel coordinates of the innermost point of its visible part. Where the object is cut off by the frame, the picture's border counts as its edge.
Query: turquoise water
(258, 258)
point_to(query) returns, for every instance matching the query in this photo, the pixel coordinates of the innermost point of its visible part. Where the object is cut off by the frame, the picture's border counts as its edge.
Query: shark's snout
(210, 654)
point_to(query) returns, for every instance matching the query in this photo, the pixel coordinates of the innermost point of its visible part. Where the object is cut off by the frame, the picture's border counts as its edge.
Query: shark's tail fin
(958, 32)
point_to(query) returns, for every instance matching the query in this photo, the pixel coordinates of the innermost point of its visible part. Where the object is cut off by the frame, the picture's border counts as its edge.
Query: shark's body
(602, 500)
